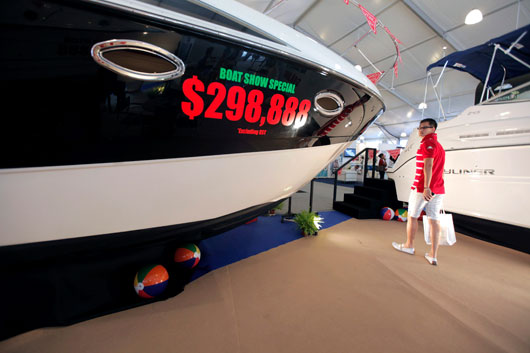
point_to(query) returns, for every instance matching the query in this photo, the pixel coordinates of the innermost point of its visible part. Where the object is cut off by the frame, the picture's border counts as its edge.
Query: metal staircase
(367, 200)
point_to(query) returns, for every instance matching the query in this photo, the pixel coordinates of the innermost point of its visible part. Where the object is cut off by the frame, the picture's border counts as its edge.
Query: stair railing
(366, 154)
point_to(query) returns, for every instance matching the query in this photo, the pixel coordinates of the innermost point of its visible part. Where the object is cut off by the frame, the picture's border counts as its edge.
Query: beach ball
(401, 215)
(151, 281)
(188, 255)
(387, 213)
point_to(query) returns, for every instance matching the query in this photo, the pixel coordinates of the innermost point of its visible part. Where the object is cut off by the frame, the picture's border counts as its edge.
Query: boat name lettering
(240, 104)
(256, 80)
(470, 171)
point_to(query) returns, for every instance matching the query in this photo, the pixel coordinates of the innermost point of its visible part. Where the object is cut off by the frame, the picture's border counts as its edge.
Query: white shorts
(417, 203)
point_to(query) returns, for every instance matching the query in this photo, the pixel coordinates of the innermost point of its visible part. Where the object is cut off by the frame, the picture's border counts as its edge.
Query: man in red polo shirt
(427, 191)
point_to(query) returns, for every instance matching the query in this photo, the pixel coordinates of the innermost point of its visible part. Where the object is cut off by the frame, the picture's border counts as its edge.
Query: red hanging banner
(375, 77)
(370, 18)
(394, 153)
(391, 35)
(396, 69)
(347, 2)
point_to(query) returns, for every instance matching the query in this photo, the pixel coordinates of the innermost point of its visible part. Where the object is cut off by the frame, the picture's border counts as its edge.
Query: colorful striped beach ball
(188, 255)
(151, 281)
(401, 215)
(387, 213)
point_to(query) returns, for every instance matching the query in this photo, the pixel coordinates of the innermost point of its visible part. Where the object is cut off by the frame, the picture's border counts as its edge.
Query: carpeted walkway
(346, 290)
(253, 238)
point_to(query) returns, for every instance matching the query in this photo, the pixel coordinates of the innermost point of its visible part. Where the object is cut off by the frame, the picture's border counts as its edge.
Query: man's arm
(427, 172)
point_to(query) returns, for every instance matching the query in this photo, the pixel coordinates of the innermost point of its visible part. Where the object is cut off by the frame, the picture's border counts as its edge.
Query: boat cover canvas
(476, 60)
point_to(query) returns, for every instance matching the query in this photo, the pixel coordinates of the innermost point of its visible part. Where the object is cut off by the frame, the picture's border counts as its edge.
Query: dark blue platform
(251, 239)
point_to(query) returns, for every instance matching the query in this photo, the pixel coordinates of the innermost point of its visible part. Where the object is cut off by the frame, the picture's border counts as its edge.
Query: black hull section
(232, 98)
(62, 282)
(69, 110)
(510, 236)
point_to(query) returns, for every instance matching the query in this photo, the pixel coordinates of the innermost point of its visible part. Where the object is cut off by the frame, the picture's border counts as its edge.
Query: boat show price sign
(237, 103)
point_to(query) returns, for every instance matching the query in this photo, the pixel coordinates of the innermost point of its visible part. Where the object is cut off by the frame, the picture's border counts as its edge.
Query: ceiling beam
(399, 96)
(485, 15)
(268, 6)
(362, 24)
(302, 15)
(433, 25)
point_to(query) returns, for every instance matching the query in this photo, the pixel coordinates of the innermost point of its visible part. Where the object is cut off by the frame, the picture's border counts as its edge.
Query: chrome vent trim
(335, 97)
(101, 48)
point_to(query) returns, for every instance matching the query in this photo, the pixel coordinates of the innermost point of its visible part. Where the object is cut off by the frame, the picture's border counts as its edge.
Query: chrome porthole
(137, 60)
(329, 103)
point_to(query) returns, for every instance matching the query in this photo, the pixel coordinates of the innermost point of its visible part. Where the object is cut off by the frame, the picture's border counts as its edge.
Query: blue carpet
(251, 239)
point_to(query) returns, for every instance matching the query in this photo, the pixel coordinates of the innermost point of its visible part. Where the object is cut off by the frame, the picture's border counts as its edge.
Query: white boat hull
(77, 201)
(486, 172)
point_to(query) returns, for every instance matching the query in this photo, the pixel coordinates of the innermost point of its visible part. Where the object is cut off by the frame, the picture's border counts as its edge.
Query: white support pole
(514, 58)
(355, 44)
(489, 72)
(514, 43)
(425, 93)
(369, 62)
(518, 11)
(438, 98)
(441, 74)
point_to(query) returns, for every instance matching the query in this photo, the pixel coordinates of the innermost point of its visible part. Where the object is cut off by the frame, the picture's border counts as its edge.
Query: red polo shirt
(430, 148)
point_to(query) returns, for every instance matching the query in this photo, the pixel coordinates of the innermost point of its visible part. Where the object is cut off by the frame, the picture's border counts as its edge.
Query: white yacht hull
(77, 201)
(486, 172)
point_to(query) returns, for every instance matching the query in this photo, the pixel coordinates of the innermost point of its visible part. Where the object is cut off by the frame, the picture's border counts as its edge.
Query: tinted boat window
(193, 10)
(520, 90)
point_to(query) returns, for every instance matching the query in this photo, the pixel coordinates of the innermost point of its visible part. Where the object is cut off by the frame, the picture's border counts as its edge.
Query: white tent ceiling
(424, 27)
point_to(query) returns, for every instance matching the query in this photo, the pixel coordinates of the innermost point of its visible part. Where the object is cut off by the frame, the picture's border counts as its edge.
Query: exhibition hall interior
(265, 176)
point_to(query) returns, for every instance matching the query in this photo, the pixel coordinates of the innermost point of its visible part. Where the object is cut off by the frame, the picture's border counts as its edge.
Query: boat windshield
(192, 9)
(515, 94)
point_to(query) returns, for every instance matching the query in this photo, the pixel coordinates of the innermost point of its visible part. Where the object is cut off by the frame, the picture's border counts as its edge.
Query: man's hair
(431, 122)
(380, 154)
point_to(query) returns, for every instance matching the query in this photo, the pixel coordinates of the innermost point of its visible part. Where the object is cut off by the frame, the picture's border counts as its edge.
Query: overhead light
(474, 16)
(403, 134)
(444, 47)
(422, 105)
(409, 114)
(359, 68)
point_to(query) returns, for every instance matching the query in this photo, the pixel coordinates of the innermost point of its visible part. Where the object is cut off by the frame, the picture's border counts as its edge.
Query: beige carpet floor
(346, 290)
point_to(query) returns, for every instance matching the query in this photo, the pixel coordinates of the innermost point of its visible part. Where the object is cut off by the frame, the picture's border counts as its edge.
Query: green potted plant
(278, 207)
(308, 222)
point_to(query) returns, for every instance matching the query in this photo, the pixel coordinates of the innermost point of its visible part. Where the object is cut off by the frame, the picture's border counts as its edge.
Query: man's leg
(433, 212)
(416, 204)
(412, 228)
(435, 237)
